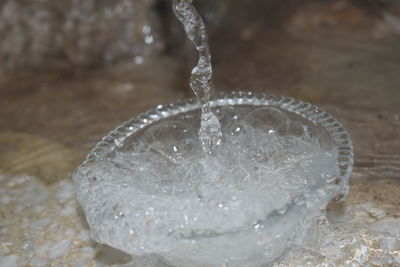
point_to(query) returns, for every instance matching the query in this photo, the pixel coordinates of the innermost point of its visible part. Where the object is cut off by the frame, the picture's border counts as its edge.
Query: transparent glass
(322, 126)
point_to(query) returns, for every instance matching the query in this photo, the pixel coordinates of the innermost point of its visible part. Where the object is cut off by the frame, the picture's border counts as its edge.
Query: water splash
(201, 79)
(256, 190)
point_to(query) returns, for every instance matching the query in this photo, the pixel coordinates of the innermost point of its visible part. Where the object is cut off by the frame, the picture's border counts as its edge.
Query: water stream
(258, 188)
(201, 79)
(265, 187)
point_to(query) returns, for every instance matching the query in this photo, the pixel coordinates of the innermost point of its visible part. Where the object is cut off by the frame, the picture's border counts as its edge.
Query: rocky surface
(68, 33)
(42, 226)
(344, 59)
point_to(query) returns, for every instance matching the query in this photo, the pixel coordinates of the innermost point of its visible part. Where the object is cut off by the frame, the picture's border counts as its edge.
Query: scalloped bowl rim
(341, 139)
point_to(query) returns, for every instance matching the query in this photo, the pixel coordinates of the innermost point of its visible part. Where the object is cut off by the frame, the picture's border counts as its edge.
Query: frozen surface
(261, 188)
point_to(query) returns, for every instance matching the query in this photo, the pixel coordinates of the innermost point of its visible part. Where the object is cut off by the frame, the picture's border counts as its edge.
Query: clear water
(262, 182)
(261, 188)
(201, 79)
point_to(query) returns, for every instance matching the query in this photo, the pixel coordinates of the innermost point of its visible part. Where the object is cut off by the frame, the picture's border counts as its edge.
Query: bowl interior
(320, 125)
(175, 127)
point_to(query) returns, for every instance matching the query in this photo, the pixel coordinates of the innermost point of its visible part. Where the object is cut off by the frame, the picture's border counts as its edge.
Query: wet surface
(345, 60)
(50, 121)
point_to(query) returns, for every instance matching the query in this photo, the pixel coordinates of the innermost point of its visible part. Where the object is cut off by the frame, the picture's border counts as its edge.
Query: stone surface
(348, 66)
(8, 261)
(64, 34)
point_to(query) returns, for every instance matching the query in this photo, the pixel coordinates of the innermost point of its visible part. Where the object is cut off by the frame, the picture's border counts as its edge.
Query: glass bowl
(103, 215)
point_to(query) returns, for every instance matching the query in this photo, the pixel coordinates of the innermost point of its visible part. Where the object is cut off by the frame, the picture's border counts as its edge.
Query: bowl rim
(341, 138)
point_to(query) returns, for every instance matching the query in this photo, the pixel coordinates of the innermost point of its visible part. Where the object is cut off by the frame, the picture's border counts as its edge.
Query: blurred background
(70, 71)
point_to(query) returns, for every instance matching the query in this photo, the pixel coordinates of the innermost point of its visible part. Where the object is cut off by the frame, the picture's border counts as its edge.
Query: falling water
(201, 79)
(265, 188)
